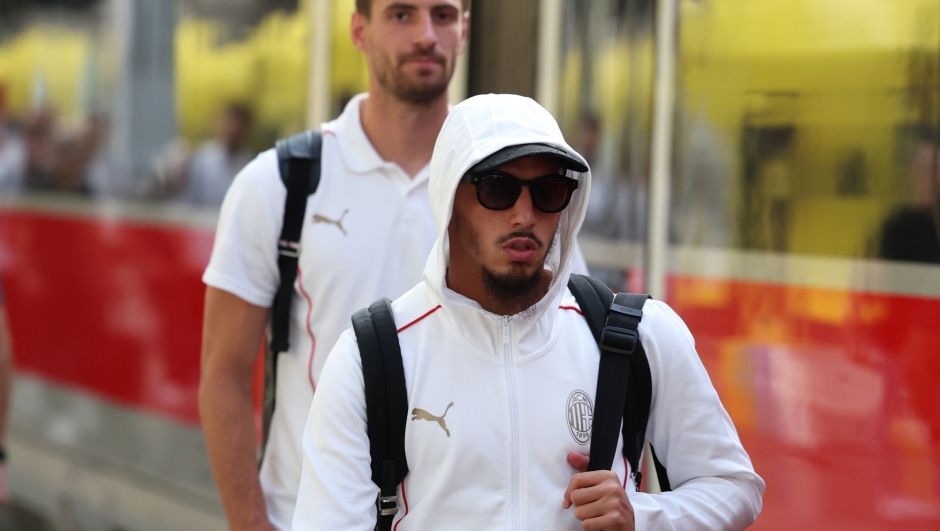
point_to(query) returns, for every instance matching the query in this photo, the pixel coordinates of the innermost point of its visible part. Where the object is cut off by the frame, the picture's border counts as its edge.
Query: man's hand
(599, 500)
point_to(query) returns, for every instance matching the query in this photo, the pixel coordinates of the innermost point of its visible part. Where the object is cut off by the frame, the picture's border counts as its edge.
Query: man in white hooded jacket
(493, 346)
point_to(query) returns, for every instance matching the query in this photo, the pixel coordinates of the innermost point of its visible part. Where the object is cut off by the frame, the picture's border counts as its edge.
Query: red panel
(112, 307)
(836, 396)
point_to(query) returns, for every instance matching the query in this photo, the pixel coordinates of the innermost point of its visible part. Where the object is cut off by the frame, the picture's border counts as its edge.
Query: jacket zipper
(514, 425)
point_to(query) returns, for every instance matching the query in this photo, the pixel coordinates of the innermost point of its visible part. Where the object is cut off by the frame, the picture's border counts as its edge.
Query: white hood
(475, 129)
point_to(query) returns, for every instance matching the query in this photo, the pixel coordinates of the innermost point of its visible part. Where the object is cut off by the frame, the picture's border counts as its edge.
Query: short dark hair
(364, 7)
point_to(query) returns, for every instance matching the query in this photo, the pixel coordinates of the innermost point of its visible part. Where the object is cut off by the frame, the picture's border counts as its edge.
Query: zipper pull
(506, 331)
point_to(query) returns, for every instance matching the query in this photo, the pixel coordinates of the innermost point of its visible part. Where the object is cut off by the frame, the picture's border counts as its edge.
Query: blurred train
(803, 242)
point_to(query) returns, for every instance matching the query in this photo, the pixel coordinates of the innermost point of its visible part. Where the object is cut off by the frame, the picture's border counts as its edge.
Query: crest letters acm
(580, 416)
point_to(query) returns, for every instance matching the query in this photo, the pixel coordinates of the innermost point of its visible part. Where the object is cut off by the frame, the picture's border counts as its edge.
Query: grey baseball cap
(511, 153)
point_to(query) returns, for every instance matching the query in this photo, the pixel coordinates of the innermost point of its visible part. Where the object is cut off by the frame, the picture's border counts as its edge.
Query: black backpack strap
(636, 410)
(594, 297)
(624, 385)
(299, 164)
(386, 404)
(625, 313)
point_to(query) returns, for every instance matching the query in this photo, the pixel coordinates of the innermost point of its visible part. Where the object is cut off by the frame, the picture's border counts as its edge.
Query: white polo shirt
(367, 234)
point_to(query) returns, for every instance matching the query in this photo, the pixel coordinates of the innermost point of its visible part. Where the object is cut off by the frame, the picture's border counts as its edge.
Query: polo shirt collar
(357, 151)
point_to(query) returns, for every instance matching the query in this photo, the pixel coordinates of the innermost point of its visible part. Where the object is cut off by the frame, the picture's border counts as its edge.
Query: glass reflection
(805, 221)
(812, 134)
(605, 112)
(147, 99)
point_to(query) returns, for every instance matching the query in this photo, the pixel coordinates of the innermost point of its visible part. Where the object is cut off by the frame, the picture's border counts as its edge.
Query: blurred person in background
(216, 162)
(912, 233)
(39, 133)
(74, 153)
(367, 233)
(617, 207)
(57, 158)
(604, 217)
(12, 152)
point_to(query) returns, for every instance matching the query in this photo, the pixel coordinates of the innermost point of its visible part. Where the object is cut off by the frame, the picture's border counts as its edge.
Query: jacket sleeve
(336, 488)
(714, 483)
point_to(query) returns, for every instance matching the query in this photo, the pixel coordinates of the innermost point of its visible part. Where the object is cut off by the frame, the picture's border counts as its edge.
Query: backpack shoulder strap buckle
(626, 310)
(288, 248)
(619, 340)
(619, 335)
(388, 505)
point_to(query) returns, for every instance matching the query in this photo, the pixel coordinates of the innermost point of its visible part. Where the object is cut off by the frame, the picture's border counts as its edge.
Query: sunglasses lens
(497, 191)
(551, 194)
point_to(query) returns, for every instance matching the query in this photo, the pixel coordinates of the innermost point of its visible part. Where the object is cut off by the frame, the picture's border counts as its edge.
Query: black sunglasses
(498, 191)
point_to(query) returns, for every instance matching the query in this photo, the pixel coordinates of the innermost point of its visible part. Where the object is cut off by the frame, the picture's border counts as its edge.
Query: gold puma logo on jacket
(318, 218)
(424, 415)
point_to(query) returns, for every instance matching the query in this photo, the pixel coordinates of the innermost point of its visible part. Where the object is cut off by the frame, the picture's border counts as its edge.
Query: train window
(803, 227)
(809, 131)
(804, 221)
(147, 100)
(605, 109)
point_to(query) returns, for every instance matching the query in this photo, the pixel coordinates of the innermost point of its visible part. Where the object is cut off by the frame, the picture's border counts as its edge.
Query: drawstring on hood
(475, 129)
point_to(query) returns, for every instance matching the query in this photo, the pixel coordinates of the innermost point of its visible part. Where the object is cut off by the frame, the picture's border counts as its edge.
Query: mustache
(423, 53)
(520, 234)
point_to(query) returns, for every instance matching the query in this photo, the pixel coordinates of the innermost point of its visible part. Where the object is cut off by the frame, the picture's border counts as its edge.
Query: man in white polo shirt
(367, 234)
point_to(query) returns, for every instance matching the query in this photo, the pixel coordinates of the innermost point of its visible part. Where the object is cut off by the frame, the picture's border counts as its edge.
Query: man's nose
(425, 36)
(522, 214)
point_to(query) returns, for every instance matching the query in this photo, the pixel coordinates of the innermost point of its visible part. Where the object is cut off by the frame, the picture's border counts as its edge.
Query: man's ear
(358, 26)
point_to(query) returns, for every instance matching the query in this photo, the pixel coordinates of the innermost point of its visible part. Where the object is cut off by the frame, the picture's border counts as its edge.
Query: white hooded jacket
(488, 448)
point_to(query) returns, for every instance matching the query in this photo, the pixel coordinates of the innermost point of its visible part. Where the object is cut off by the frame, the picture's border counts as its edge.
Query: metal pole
(318, 77)
(661, 156)
(457, 90)
(549, 55)
(661, 166)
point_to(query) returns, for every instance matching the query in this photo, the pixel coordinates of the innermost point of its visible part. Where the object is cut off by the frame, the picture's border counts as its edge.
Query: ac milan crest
(580, 416)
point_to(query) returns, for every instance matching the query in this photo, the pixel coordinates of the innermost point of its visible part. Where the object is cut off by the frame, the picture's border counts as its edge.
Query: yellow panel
(834, 226)
(45, 63)
(267, 71)
(843, 76)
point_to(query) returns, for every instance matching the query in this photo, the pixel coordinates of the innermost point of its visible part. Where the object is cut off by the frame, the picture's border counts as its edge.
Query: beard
(516, 288)
(425, 89)
(511, 290)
